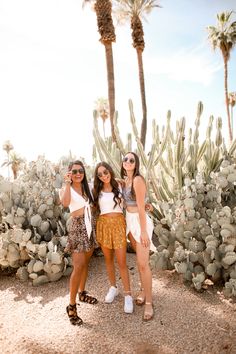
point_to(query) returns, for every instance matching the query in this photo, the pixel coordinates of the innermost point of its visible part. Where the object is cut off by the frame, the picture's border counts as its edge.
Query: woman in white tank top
(111, 230)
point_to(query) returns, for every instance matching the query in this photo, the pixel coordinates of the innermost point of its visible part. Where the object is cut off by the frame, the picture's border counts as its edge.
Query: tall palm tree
(134, 11)
(103, 9)
(223, 36)
(102, 106)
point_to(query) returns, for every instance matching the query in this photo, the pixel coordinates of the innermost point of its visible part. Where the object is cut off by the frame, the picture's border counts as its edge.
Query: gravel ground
(33, 319)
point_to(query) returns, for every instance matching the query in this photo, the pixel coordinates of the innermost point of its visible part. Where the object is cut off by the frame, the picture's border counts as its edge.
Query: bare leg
(110, 266)
(84, 273)
(78, 259)
(121, 260)
(146, 279)
(144, 270)
(133, 244)
(132, 241)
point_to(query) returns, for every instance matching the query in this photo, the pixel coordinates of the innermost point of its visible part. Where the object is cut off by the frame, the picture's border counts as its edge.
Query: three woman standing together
(108, 197)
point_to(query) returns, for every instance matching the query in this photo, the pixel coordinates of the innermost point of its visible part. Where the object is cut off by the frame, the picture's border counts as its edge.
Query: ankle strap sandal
(75, 320)
(140, 299)
(84, 297)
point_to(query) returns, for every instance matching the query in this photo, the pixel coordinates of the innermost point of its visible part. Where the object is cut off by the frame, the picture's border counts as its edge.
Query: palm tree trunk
(143, 97)
(111, 85)
(227, 98)
(232, 121)
(14, 171)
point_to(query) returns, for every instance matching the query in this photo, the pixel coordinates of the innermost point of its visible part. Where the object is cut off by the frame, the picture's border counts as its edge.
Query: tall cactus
(172, 156)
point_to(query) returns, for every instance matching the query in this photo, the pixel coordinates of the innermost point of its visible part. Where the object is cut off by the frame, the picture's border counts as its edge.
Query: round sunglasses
(131, 160)
(103, 173)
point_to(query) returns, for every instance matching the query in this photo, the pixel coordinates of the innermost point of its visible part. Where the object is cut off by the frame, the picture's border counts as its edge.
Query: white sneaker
(112, 293)
(128, 307)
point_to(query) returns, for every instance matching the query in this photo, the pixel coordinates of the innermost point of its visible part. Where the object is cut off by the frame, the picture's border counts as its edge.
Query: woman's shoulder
(138, 179)
(139, 183)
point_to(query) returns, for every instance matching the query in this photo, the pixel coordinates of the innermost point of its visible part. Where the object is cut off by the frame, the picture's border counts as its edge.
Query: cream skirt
(133, 226)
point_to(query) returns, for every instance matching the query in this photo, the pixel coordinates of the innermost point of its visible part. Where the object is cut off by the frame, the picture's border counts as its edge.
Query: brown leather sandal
(148, 313)
(75, 320)
(140, 299)
(84, 297)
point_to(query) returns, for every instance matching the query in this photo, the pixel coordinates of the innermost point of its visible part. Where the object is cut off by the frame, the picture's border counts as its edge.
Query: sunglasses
(131, 160)
(80, 171)
(104, 173)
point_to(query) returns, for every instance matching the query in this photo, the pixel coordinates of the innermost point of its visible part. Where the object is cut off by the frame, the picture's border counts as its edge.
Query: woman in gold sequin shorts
(111, 230)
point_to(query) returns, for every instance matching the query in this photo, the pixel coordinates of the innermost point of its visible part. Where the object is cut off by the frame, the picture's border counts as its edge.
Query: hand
(145, 242)
(148, 207)
(67, 178)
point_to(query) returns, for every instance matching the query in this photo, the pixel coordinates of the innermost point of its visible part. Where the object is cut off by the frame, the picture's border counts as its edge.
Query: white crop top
(106, 203)
(78, 202)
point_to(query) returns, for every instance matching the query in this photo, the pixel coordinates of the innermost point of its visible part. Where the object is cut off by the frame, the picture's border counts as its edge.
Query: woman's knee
(79, 266)
(143, 266)
(109, 257)
(122, 266)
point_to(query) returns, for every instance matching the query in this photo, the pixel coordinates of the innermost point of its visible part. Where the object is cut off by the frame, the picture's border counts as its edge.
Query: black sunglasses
(103, 173)
(79, 170)
(131, 160)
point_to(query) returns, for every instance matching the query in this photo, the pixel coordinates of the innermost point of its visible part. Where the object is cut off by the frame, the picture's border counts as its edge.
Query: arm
(65, 194)
(140, 192)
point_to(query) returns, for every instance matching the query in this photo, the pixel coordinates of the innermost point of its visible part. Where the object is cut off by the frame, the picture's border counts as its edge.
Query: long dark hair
(85, 186)
(136, 171)
(98, 184)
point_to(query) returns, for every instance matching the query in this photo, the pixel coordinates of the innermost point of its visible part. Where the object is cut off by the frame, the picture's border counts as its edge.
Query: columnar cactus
(191, 184)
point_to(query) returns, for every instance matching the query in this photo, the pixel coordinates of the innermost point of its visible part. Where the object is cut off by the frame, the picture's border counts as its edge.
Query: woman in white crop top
(81, 238)
(111, 230)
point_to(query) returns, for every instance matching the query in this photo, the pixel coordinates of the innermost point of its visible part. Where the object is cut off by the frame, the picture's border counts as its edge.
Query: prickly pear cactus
(33, 224)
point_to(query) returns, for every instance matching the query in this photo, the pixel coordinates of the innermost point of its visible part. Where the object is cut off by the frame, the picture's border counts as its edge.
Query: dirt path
(33, 320)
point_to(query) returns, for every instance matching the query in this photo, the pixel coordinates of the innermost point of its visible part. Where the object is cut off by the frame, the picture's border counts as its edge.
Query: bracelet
(67, 181)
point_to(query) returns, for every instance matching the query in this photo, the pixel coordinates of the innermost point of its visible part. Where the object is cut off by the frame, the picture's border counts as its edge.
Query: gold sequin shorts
(111, 231)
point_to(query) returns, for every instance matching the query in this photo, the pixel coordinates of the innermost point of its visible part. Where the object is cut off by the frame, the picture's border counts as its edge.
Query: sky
(53, 69)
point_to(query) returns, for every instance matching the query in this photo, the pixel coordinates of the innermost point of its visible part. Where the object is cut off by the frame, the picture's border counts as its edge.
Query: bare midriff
(79, 212)
(132, 209)
(111, 214)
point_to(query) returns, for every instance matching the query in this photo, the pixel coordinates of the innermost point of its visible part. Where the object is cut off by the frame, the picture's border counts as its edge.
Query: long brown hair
(85, 186)
(98, 185)
(136, 171)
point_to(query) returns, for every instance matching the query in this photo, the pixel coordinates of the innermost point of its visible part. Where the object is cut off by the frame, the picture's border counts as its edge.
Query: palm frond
(127, 8)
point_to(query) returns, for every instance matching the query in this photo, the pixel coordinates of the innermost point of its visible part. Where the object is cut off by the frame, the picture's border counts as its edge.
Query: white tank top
(106, 203)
